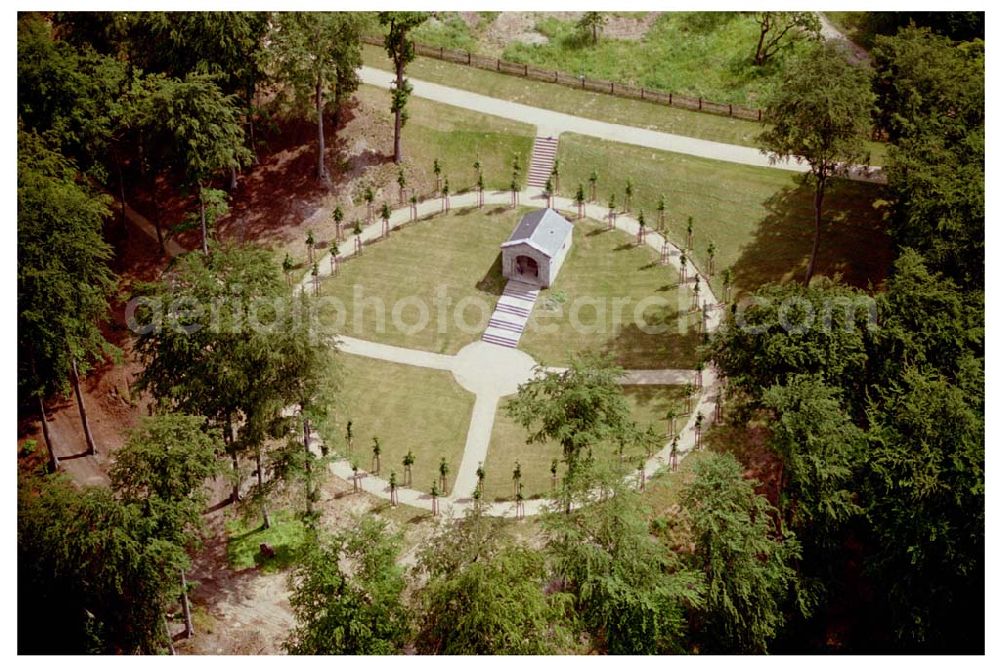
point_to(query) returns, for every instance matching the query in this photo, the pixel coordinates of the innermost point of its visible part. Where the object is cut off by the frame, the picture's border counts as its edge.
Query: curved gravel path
(553, 123)
(491, 372)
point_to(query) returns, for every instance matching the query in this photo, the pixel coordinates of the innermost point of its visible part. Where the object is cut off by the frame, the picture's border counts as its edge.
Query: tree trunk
(204, 223)
(75, 377)
(230, 440)
(251, 138)
(166, 633)
(321, 167)
(265, 517)
(121, 191)
(818, 211)
(308, 465)
(232, 179)
(397, 150)
(186, 607)
(758, 56)
(53, 463)
(154, 188)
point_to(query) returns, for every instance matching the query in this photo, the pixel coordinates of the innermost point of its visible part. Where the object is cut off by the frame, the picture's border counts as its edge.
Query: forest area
(838, 509)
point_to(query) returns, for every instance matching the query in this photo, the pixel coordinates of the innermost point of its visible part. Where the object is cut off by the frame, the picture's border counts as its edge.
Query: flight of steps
(543, 156)
(511, 314)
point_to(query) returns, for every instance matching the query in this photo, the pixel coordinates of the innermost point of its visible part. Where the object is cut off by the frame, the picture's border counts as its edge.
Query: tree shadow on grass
(854, 243)
(677, 347)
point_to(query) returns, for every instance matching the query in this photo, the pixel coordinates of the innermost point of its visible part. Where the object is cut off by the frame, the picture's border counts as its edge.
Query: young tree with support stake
(443, 470)
(399, 47)
(821, 114)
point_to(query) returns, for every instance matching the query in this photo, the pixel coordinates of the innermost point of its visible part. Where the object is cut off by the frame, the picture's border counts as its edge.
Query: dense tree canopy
(631, 593)
(748, 572)
(486, 595)
(347, 594)
(94, 576)
(931, 94)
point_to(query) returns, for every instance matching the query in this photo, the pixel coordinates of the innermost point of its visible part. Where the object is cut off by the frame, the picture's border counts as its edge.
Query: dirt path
(855, 54)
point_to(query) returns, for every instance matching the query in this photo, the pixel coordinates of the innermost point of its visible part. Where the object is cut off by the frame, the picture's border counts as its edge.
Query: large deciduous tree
(485, 594)
(931, 99)
(581, 409)
(205, 129)
(631, 593)
(234, 347)
(817, 445)
(399, 46)
(821, 113)
(347, 594)
(788, 330)
(162, 469)
(93, 572)
(748, 572)
(780, 29)
(63, 278)
(316, 52)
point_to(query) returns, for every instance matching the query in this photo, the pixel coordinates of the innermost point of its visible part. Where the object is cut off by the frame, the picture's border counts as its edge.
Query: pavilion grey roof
(545, 230)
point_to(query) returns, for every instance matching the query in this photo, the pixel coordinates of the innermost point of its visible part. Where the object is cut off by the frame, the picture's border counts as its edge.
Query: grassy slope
(699, 54)
(578, 102)
(507, 446)
(586, 104)
(455, 137)
(604, 265)
(759, 219)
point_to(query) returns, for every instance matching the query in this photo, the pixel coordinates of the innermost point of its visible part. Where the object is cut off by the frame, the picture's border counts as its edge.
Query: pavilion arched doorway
(526, 267)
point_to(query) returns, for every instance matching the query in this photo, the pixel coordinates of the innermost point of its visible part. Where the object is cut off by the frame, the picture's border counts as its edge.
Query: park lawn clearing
(408, 409)
(760, 219)
(596, 305)
(650, 405)
(245, 534)
(456, 138)
(457, 255)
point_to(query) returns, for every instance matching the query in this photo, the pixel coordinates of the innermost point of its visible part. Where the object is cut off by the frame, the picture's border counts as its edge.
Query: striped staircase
(511, 314)
(543, 156)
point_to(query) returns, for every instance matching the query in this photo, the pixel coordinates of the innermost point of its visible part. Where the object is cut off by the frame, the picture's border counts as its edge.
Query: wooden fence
(581, 82)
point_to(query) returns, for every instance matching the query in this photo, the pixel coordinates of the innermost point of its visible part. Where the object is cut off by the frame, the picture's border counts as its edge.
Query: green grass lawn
(408, 409)
(578, 102)
(455, 137)
(457, 255)
(578, 313)
(246, 534)
(594, 105)
(759, 219)
(699, 54)
(650, 405)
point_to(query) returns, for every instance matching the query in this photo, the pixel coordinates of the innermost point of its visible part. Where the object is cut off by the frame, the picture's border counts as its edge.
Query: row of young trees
(601, 580)
(874, 406)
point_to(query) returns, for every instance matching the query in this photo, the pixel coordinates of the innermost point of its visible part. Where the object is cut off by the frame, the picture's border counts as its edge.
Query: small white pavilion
(537, 247)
